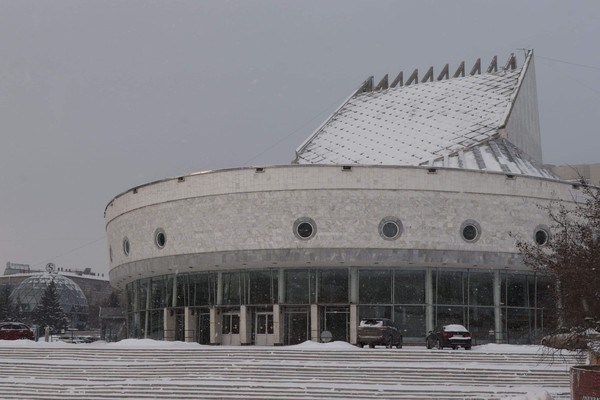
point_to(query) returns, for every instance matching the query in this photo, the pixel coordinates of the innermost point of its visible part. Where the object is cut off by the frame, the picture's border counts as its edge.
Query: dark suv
(378, 331)
(15, 331)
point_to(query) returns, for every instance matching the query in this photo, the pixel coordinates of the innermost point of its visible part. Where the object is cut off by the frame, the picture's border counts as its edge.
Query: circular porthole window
(126, 247)
(541, 235)
(305, 228)
(160, 238)
(470, 231)
(390, 228)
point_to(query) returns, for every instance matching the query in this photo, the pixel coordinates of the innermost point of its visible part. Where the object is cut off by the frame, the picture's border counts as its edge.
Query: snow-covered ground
(157, 369)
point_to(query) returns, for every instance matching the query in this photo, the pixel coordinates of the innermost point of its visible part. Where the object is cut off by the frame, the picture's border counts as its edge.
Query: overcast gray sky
(97, 97)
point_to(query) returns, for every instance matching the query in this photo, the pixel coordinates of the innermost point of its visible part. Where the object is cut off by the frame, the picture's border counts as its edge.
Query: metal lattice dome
(28, 294)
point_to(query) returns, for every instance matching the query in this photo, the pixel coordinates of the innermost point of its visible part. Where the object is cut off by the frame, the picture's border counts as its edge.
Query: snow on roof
(455, 328)
(453, 122)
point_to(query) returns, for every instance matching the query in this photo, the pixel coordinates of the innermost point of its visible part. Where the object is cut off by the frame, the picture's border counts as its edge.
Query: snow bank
(539, 394)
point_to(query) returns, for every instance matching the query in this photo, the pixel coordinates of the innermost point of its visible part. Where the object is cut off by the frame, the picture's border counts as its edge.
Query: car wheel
(439, 345)
(468, 348)
(371, 346)
(390, 343)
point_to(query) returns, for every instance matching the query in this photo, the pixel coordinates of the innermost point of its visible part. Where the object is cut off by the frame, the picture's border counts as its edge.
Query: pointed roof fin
(399, 80)
(367, 86)
(444, 74)
(493, 65)
(414, 77)
(383, 83)
(428, 75)
(476, 68)
(460, 71)
(512, 62)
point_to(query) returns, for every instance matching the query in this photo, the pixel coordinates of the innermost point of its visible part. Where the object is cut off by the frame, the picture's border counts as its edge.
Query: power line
(70, 251)
(568, 62)
(295, 130)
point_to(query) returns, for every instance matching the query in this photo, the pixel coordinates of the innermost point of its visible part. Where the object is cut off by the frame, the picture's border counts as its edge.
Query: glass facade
(27, 295)
(498, 306)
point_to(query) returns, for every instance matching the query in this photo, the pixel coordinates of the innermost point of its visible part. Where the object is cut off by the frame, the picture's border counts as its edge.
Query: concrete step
(208, 372)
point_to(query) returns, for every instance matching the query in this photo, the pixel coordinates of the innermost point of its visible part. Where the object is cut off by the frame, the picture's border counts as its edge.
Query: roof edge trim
(301, 148)
(515, 94)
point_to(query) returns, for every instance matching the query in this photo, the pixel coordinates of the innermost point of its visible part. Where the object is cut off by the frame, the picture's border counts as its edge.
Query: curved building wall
(245, 220)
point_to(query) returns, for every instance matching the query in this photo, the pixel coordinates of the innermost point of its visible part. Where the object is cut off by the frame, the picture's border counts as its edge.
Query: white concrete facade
(248, 211)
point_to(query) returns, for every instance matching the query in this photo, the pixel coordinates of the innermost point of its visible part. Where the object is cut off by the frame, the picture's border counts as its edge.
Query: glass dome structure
(28, 294)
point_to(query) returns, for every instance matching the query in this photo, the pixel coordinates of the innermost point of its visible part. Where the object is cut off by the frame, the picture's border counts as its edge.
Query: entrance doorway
(231, 329)
(203, 328)
(336, 319)
(297, 325)
(263, 329)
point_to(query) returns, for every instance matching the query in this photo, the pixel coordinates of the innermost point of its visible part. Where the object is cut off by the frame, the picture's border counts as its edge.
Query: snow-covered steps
(130, 370)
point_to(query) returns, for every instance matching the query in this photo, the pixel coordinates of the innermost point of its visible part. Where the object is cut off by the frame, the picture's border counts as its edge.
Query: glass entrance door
(263, 329)
(336, 320)
(231, 329)
(203, 328)
(297, 325)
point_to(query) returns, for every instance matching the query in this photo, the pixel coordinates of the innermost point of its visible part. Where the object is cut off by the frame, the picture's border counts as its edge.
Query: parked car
(379, 331)
(15, 331)
(452, 335)
(572, 340)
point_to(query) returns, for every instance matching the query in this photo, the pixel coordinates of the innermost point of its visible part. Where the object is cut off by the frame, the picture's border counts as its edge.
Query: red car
(15, 331)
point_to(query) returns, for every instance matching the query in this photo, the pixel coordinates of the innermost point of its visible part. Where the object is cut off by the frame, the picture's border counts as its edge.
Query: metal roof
(451, 122)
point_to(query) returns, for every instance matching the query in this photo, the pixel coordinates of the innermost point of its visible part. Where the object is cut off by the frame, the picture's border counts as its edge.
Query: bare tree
(572, 258)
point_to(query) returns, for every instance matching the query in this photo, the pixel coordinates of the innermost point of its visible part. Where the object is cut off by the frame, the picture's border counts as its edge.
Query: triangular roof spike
(367, 86)
(460, 71)
(383, 83)
(445, 73)
(428, 75)
(493, 65)
(414, 77)
(476, 68)
(512, 62)
(399, 80)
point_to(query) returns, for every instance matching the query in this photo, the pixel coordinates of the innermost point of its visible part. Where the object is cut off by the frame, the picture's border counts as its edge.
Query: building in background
(28, 294)
(590, 173)
(94, 287)
(404, 204)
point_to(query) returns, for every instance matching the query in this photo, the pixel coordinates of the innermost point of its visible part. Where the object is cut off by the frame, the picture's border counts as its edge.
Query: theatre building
(404, 204)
